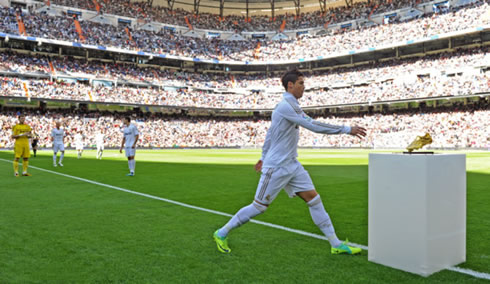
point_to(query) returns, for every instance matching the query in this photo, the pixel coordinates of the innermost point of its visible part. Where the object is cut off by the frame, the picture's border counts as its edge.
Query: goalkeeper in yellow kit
(21, 132)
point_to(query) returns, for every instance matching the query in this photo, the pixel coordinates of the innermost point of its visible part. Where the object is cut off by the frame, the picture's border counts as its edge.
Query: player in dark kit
(35, 140)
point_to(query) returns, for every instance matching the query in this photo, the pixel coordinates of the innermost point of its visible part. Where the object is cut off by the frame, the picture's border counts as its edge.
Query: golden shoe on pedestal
(419, 142)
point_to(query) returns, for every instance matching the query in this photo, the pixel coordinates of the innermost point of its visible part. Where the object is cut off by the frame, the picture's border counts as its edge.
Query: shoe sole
(345, 252)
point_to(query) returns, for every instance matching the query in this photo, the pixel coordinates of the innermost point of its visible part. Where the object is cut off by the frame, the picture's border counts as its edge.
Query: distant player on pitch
(78, 140)
(58, 138)
(35, 141)
(21, 132)
(99, 140)
(280, 168)
(129, 141)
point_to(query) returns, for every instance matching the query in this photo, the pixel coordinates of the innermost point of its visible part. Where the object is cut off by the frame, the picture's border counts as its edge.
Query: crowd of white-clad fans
(453, 128)
(395, 80)
(142, 10)
(307, 46)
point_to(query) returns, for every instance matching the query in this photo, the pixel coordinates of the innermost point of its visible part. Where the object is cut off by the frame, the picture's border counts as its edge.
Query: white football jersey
(130, 133)
(99, 139)
(58, 135)
(78, 138)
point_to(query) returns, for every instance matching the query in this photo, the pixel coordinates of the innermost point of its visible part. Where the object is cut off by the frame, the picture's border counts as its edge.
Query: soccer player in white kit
(78, 141)
(280, 168)
(99, 140)
(58, 136)
(129, 141)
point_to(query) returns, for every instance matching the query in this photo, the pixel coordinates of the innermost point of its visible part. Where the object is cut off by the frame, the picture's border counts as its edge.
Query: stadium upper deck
(167, 43)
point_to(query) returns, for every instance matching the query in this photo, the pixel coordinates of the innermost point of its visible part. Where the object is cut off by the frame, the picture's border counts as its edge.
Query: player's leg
(62, 155)
(98, 155)
(17, 155)
(55, 152)
(25, 163)
(270, 184)
(16, 167)
(131, 164)
(101, 151)
(130, 153)
(241, 217)
(302, 185)
(320, 216)
(16, 163)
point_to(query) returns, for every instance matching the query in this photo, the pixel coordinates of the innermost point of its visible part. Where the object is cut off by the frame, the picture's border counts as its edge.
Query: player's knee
(259, 207)
(314, 201)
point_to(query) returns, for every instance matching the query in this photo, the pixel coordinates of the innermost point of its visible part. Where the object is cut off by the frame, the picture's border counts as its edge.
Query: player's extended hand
(358, 131)
(120, 150)
(258, 166)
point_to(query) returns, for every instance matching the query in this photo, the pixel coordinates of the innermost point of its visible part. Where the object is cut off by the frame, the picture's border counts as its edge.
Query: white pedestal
(417, 211)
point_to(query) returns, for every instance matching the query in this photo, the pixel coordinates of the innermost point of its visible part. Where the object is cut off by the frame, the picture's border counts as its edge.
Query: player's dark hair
(290, 76)
(128, 118)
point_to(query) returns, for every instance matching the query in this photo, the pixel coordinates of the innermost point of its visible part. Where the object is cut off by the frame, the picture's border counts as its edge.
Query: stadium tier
(470, 17)
(461, 73)
(240, 23)
(456, 127)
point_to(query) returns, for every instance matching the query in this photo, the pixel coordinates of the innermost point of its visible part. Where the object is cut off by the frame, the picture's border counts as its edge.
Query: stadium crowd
(456, 128)
(306, 46)
(465, 58)
(143, 10)
(373, 92)
(392, 80)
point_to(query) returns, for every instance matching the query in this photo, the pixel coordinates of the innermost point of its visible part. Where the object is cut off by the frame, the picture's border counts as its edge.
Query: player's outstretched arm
(357, 131)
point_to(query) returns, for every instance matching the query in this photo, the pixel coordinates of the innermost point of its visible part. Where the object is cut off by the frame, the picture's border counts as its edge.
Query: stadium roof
(255, 7)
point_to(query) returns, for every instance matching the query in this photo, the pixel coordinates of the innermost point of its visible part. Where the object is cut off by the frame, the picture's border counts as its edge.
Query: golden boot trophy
(419, 142)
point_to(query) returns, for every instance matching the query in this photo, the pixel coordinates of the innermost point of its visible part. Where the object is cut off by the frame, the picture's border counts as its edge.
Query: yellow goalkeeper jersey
(21, 129)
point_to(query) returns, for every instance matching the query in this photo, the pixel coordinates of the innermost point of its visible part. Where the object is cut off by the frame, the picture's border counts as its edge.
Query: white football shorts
(100, 147)
(292, 177)
(79, 146)
(130, 152)
(58, 147)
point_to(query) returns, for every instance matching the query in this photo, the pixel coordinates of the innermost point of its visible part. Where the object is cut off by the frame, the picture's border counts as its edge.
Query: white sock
(129, 165)
(133, 165)
(242, 217)
(322, 220)
(61, 157)
(54, 158)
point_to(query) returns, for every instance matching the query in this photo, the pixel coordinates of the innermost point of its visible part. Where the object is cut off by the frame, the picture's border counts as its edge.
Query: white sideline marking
(473, 273)
(470, 272)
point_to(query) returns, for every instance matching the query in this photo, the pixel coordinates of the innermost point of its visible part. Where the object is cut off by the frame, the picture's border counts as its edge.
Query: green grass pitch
(55, 229)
